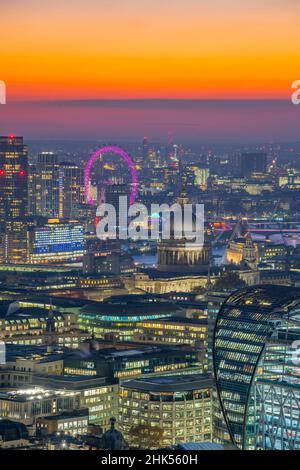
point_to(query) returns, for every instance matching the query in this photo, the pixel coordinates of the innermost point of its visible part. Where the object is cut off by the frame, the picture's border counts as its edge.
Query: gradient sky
(142, 49)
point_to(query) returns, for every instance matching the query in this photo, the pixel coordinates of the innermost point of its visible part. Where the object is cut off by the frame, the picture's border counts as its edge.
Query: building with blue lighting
(55, 241)
(118, 317)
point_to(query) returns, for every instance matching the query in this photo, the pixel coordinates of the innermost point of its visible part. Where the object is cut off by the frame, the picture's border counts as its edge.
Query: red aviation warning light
(22, 173)
(2, 172)
(97, 220)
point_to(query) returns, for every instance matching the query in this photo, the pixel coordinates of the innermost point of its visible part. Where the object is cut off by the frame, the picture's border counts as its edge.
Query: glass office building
(13, 199)
(56, 241)
(257, 366)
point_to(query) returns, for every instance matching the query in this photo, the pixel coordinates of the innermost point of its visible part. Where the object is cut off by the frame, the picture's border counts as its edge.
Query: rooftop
(194, 446)
(130, 306)
(23, 313)
(67, 415)
(109, 354)
(155, 274)
(71, 382)
(14, 351)
(34, 393)
(182, 320)
(266, 297)
(170, 383)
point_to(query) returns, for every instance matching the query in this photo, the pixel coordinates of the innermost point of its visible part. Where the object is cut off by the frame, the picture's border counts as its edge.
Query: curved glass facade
(257, 376)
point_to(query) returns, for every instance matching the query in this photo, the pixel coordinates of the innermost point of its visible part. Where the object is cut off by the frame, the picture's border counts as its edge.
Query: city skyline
(188, 121)
(149, 228)
(139, 330)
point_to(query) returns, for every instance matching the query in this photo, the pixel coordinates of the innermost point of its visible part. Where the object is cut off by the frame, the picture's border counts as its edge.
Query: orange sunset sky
(52, 49)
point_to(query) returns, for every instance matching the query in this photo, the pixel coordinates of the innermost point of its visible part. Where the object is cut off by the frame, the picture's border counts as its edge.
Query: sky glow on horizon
(216, 50)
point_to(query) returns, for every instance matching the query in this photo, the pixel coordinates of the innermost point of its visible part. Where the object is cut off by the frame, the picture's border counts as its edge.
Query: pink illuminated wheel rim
(126, 158)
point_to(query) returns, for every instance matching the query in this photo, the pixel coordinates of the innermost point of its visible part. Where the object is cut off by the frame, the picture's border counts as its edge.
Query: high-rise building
(32, 176)
(113, 193)
(201, 177)
(145, 148)
(14, 242)
(13, 198)
(71, 189)
(14, 178)
(46, 185)
(214, 303)
(257, 366)
(253, 163)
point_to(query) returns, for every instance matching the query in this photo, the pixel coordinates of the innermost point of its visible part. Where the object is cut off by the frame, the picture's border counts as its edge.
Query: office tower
(257, 367)
(170, 177)
(235, 164)
(175, 153)
(201, 177)
(71, 189)
(32, 196)
(171, 150)
(155, 159)
(14, 242)
(13, 198)
(214, 302)
(46, 185)
(113, 193)
(145, 149)
(253, 163)
(14, 178)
